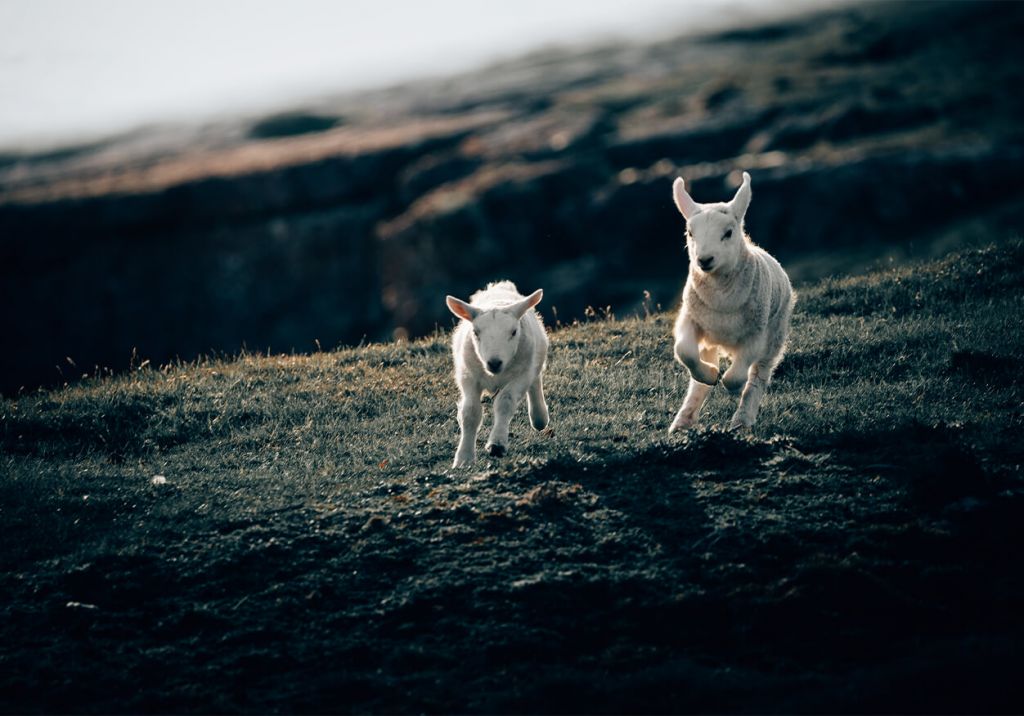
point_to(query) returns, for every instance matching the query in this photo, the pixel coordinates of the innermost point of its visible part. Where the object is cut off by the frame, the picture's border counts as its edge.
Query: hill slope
(311, 550)
(874, 129)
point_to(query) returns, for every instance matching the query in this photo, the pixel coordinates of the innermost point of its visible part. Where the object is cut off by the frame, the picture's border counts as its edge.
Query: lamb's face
(495, 336)
(714, 232)
(495, 332)
(713, 238)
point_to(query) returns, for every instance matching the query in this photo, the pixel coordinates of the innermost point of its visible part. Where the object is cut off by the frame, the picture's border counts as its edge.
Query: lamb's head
(496, 331)
(714, 232)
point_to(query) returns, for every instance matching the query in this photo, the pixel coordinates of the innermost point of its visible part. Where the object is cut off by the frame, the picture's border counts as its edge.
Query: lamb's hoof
(462, 462)
(496, 450)
(709, 378)
(539, 424)
(735, 388)
(680, 425)
(740, 427)
(683, 421)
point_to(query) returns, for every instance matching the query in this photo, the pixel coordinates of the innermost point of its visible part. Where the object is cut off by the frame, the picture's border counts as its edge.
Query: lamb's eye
(514, 331)
(727, 235)
(476, 332)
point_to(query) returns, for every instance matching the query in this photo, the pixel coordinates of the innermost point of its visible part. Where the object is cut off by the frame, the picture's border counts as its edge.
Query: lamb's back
(495, 295)
(775, 289)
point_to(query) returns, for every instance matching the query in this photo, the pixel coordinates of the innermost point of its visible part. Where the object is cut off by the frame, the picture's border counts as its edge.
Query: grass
(312, 549)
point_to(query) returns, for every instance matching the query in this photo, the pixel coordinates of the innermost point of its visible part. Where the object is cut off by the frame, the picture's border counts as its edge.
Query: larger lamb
(737, 301)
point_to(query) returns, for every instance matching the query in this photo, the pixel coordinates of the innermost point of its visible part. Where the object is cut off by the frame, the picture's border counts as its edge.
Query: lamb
(500, 348)
(737, 300)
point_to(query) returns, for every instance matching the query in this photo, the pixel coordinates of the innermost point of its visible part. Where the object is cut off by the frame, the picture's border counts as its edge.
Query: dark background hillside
(876, 132)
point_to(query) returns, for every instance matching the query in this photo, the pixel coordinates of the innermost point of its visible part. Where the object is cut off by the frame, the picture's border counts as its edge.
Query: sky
(77, 69)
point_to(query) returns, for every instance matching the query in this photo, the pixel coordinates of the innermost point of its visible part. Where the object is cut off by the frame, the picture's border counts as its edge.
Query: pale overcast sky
(74, 68)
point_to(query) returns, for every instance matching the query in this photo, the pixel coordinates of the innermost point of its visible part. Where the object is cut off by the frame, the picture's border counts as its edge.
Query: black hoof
(497, 450)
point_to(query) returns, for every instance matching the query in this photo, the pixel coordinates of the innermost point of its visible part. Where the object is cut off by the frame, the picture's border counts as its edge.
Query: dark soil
(721, 574)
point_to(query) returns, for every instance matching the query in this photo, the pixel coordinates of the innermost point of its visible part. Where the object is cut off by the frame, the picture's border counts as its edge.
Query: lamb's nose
(494, 365)
(706, 263)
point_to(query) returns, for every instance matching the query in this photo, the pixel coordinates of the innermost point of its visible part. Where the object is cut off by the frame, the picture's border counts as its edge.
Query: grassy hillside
(312, 550)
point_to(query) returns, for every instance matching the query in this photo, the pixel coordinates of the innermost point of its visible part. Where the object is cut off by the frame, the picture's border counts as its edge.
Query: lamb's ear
(741, 201)
(518, 309)
(686, 205)
(462, 309)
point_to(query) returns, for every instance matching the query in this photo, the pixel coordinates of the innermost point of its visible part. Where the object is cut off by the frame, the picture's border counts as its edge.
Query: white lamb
(737, 301)
(500, 348)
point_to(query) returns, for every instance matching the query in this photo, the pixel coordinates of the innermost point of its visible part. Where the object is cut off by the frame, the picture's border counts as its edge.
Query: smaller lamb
(500, 348)
(737, 301)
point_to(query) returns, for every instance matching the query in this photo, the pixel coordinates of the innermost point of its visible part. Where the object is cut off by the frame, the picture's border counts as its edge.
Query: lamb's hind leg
(536, 405)
(696, 394)
(758, 378)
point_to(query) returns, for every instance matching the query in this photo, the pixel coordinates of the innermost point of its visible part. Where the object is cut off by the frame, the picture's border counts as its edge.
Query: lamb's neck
(725, 289)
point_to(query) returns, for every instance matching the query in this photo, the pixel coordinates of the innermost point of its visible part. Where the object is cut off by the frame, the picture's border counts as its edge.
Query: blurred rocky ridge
(872, 132)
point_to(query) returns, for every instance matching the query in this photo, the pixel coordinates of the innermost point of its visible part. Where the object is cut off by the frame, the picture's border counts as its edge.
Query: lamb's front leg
(696, 394)
(505, 404)
(750, 401)
(470, 416)
(687, 352)
(687, 415)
